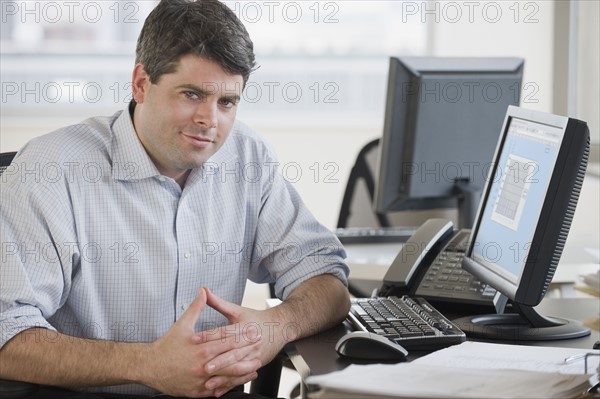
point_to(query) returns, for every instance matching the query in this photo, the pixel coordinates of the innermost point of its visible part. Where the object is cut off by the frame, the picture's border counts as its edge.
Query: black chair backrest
(5, 160)
(361, 171)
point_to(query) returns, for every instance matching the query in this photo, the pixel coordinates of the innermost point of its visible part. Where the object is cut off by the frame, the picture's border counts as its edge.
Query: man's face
(186, 117)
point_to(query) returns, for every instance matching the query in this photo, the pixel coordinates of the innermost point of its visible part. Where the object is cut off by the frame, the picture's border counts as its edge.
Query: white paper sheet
(482, 355)
(468, 370)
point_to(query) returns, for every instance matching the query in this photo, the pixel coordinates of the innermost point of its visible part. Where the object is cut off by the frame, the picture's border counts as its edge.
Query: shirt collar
(225, 154)
(130, 159)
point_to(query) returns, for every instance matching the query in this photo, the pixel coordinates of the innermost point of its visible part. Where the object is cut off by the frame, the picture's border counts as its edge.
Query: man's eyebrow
(234, 98)
(198, 89)
(205, 91)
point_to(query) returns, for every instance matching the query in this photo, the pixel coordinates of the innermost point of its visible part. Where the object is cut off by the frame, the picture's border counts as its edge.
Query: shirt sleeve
(291, 245)
(38, 248)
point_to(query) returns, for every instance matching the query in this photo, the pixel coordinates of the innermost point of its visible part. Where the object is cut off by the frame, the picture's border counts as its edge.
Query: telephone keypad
(446, 279)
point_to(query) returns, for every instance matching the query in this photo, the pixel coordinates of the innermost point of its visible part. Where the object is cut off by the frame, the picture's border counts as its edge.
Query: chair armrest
(267, 383)
(10, 389)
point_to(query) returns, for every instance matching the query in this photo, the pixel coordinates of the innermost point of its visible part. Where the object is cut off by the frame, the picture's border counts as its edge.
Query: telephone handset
(429, 266)
(420, 249)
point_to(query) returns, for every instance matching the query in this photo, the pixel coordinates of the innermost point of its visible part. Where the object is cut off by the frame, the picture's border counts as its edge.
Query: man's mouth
(198, 141)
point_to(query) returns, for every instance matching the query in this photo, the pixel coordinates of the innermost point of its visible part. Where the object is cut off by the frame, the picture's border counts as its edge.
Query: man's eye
(227, 103)
(191, 95)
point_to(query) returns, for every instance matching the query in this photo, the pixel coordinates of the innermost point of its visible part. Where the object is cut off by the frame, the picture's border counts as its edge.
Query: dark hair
(206, 28)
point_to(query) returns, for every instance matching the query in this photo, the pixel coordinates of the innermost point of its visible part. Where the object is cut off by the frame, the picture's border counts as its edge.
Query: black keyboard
(409, 321)
(374, 235)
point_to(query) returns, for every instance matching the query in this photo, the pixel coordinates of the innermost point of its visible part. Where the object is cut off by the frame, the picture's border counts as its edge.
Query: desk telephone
(429, 266)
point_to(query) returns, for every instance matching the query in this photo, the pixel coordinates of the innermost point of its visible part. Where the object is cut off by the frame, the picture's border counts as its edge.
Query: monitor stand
(524, 325)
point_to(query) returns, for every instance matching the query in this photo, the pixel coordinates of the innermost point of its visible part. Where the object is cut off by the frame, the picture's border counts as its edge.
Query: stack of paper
(469, 370)
(591, 283)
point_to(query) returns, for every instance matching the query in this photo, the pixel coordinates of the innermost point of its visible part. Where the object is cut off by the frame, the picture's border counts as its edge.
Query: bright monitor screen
(523, 221)
(516, 197)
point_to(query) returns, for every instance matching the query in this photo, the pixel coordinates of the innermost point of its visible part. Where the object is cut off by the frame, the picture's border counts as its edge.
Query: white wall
(588, 73)
(504, 28)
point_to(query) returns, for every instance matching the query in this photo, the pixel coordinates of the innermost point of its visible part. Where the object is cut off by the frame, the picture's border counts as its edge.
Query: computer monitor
(523, 221)
(441, 126)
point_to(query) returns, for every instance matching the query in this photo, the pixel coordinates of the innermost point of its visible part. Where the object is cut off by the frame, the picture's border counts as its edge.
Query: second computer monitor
(442, 121)
(524, 219)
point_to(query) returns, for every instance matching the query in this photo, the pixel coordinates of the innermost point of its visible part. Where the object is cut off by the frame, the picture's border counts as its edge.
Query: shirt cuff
(282, 290)
(17, 320)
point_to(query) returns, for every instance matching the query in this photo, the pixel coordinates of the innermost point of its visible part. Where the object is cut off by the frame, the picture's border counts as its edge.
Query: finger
(212, 349)
(242, 367)
(250, 333)
(220, 385)
(192, 313)
(226, 308)
(232, 357)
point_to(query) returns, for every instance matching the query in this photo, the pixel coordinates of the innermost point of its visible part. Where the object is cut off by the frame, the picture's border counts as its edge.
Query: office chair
(266, 384)
(5, 160)
(357, 203)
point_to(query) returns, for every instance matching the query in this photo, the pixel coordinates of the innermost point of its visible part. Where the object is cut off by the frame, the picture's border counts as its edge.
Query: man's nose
(206, 114)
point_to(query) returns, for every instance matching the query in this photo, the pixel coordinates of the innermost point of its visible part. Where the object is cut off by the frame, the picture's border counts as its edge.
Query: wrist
(279, 328)
(140, 363)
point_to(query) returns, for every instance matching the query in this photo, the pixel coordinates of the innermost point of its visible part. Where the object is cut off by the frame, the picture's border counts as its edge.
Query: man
(124, 261)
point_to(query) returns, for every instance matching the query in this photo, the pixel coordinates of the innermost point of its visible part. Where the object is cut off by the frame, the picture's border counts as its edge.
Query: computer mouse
(369, 346)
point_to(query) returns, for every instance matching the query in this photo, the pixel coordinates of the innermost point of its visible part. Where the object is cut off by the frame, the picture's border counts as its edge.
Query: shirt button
(187, 255)
(162, 178)
(184, 306)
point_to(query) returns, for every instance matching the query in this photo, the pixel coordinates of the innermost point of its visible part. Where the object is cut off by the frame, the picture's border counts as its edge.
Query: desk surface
(316, 354)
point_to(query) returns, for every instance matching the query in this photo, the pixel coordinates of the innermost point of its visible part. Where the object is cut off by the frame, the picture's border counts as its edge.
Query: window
(67, 57)
(318, 59)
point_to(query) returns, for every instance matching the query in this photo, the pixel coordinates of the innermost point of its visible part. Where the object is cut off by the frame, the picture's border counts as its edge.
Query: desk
(316, 354)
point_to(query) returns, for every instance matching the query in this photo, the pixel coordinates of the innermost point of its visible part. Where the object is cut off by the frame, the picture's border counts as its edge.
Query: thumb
(192, 313)
(226, 308)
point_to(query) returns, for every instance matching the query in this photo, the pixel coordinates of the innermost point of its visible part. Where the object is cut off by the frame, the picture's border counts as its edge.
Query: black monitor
(523, 221)
(441, 126)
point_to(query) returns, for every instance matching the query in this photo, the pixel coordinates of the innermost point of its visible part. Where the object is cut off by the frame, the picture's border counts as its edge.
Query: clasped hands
(209, 363)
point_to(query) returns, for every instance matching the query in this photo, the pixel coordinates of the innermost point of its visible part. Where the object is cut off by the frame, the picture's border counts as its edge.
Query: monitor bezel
(547, 242)
(392, 196)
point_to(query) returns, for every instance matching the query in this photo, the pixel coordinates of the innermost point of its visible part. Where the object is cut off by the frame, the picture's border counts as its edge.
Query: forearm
(315, 305)
(46, 357)
(175, 364)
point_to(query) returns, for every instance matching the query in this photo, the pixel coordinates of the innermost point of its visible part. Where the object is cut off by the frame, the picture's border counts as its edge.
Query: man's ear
(140, 83)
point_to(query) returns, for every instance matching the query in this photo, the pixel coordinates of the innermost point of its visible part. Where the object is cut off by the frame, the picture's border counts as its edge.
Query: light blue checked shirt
(97, 244)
